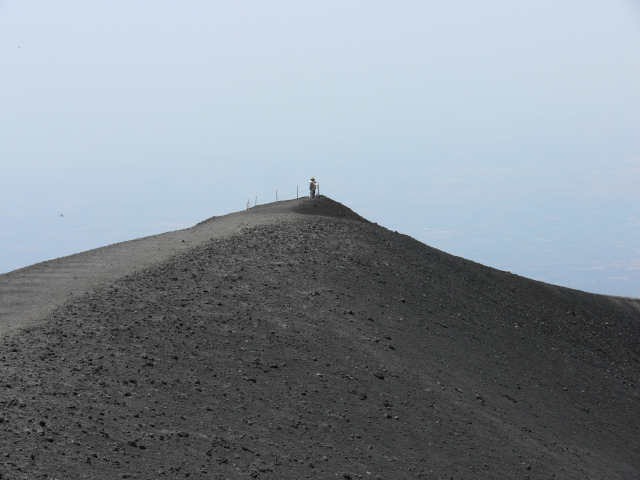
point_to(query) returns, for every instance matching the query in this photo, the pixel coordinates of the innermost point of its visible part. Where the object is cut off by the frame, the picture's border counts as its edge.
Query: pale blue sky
(506, 132)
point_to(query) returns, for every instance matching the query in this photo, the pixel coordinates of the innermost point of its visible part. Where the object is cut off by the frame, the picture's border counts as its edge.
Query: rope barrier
(279, 195)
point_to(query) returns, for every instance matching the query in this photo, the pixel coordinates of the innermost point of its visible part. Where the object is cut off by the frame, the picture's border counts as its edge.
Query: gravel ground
(298, 340)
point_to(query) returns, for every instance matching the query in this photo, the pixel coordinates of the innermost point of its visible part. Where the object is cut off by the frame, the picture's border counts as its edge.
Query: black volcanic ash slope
(324, 347)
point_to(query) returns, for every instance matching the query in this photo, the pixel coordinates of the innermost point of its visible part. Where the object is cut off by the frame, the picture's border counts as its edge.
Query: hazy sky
(506, 132)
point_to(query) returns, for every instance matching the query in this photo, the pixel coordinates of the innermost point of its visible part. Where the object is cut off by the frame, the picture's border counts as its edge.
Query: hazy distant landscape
(576, 244)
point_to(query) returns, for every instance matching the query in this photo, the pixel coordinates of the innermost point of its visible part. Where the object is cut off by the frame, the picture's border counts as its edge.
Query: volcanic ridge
(299, 340)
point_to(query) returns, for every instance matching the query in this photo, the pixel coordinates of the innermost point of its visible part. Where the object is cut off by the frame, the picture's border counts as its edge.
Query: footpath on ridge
(28, 294)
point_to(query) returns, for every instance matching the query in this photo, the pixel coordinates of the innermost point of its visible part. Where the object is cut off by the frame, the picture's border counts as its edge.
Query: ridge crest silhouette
(298, 341)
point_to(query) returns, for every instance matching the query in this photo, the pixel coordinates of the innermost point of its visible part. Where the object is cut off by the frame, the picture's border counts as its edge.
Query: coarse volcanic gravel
(298, 340)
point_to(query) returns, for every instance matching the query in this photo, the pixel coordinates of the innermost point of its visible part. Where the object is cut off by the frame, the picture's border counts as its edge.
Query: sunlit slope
(324, 346)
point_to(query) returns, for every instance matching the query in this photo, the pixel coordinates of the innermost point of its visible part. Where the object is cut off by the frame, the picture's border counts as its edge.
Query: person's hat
(313, 178)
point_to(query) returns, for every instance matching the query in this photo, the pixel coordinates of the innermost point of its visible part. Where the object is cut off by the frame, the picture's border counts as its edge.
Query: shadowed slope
(322, 347)
(326, 207)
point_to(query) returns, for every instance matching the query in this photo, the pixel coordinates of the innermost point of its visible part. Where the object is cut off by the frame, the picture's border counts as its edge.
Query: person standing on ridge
(312, 187)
